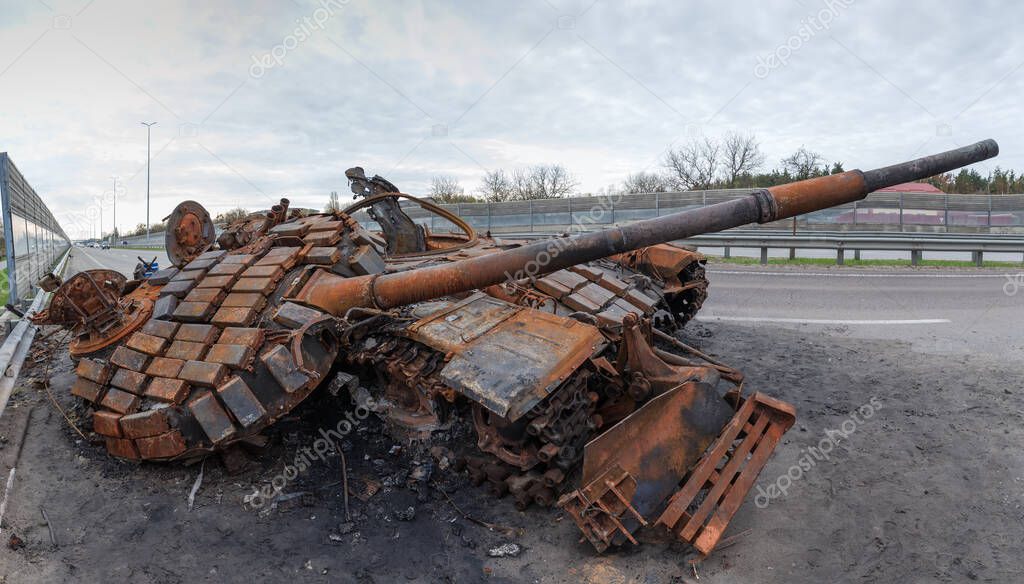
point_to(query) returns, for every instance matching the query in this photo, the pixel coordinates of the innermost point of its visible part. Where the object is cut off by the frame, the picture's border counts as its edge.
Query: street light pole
(149, 128)
(114, 200)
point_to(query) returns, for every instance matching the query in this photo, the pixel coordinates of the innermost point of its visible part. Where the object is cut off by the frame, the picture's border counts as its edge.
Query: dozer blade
(684, 462)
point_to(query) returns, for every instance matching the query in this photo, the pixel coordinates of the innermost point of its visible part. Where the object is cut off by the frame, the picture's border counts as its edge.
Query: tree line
(734, 160)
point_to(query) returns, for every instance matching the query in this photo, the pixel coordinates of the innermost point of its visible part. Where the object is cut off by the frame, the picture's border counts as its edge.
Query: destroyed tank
(559, 353)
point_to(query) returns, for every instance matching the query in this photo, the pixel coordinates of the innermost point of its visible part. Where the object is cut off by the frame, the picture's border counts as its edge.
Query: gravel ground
(927, 488)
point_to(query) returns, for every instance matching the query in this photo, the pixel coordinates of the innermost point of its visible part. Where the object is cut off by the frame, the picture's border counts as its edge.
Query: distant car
(104, 245)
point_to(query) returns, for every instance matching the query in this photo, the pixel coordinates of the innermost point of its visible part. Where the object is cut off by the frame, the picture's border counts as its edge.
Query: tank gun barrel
(337, 295)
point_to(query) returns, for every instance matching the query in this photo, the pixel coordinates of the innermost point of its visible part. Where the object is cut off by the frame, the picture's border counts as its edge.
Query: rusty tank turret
(557, 352)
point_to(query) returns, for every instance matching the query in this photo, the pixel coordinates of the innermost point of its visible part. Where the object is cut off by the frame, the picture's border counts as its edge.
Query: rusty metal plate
(186, 350)
(147, 344)
(203, 295)
(160, 328)
(165, 367)
(324, 256)
(129, 380)
(167, 390)
(225, 270)
(220, 282)
(122, 448)
(250, 337)
(506, 357)
(213, 254)
(201, 264)
(295, 229)
(121, 402)
(164, 307)
(96, 371)
(295, 316)
(244, 259)
(257, 285)
(242, 299)
(148, 423)
(197, 333)
(187, 275)
(281, 364)
(194, 311)
(272, 272)
(657, 443)
(106, 423)
(212, 417)
(234, 356)
(163, 445)
(86, 389)
(631, 470)
(237, 396)
(202, 373)
(231, 316)
(129, 359)
(452, 327)
(322, 238)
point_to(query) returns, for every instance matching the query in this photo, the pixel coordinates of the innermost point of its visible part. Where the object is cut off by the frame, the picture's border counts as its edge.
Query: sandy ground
(925, 489)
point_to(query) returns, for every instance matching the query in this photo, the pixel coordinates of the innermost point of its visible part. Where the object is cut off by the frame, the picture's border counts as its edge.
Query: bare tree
(548, 181)
(333, 204)
(803, 164)
(741, 156)
(694, 165)
(231, 215)
(446, 189)
(542, 181)
(645, 182)
(496, 186)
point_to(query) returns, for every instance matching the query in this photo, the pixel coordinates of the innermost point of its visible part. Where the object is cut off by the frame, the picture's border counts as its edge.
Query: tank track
(531, 459)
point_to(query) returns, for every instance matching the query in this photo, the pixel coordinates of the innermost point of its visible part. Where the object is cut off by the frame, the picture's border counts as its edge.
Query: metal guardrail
(857, 242)
(842, 242)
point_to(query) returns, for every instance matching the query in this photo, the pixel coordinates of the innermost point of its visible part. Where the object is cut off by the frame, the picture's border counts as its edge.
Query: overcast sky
(258, 100)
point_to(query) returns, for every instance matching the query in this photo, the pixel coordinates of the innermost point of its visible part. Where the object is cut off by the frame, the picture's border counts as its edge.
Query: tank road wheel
(189, 233)
(688, 301)
(509, 441)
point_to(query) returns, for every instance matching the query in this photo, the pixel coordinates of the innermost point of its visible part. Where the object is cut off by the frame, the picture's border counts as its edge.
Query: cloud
(412, 89)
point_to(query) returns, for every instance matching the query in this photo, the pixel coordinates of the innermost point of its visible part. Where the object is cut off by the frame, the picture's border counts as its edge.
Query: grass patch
(853, 263)
(5, 290)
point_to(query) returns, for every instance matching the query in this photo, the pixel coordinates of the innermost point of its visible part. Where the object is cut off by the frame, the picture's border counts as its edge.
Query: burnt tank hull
(568, 374)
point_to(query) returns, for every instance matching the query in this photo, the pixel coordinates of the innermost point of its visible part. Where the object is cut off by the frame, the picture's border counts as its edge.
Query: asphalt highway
(122, 260)
(940, 310)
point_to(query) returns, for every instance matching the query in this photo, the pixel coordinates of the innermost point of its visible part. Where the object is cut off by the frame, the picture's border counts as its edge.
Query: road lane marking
(825, 320)
(831, 275)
